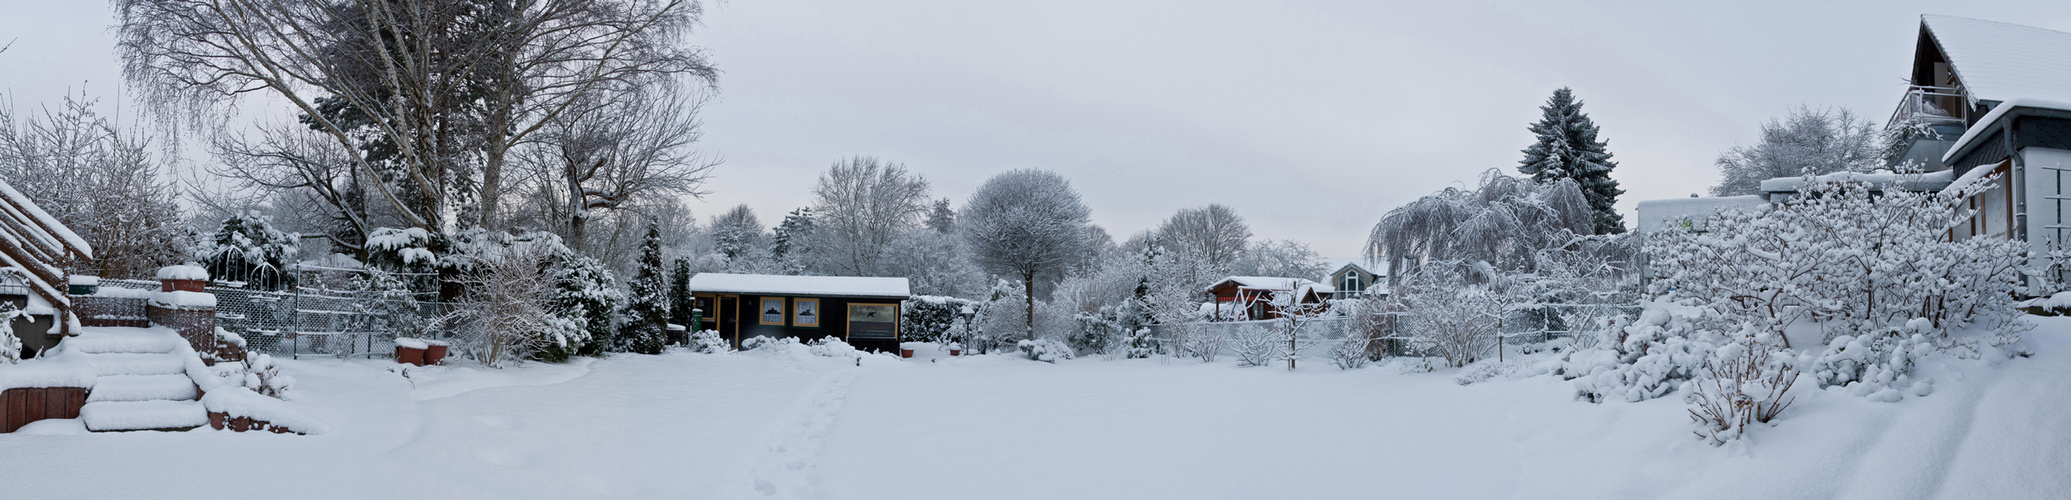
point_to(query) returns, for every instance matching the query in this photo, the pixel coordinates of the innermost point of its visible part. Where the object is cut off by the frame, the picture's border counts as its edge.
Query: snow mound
(180, 299)
(240, 402)
(54, 371)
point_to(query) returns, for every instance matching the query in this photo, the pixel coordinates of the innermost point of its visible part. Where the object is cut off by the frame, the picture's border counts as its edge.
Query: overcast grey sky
(1310, 118)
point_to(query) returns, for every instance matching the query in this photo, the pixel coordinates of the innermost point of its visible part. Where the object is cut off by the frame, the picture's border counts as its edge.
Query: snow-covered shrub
(1451, 317)
(1199, 342)
(1352, 352)
(1850, 260)
(959, 332)
(1482, 372)
(246, 248)
(709, 342)
(1645, 358)
(927, 318)
(1095, 334)
(1256, 345)
(1745, 382)
(761, 343)
(507, 303)
(10, 345)
(999, 321)
(831, 347)
(261, 375)
(1139, 344)
(1877, 365)
(1045, 350)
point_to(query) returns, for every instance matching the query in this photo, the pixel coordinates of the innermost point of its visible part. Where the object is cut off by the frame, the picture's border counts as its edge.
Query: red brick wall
(198, 326)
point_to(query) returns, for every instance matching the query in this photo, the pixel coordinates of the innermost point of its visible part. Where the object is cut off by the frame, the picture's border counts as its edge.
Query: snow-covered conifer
(246, 248)
(645, 329)
(1567, 148)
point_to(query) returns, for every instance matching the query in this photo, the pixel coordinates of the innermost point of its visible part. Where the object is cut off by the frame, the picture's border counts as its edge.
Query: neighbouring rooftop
(811, 286)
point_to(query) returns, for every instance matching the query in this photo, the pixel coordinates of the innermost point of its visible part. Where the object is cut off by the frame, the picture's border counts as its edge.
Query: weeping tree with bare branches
(432, 96)
(1501, 225)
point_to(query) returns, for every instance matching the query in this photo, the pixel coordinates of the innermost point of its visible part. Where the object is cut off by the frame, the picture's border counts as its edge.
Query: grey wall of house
(35, 331)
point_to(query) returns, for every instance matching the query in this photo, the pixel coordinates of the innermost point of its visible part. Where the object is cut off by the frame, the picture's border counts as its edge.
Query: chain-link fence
(1392, 333)
(323, 311)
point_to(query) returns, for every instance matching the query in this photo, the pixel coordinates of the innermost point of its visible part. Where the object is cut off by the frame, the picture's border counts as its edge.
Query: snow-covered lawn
(753, 425)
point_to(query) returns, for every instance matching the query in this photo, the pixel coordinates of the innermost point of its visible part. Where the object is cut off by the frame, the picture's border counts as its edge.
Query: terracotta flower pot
(216, 420)
(905, 353)
(407, 355)
(433, 352)
(956, 352)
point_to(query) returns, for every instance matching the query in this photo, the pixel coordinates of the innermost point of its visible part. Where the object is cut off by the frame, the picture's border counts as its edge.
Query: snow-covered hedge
(928, 318)
(709, 342)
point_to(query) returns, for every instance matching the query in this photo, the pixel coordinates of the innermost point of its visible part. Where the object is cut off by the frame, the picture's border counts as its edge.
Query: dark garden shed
(861, 311)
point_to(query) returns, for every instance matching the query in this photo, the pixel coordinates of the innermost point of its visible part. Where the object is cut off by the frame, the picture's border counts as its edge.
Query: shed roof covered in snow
(1998, 61)
(809, 286)
(1693, 212)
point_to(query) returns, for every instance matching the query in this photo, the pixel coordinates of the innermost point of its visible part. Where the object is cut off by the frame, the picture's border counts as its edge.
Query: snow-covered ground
(754, 425)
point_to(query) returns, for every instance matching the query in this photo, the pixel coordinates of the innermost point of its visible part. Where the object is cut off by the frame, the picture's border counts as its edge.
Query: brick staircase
(141, 380)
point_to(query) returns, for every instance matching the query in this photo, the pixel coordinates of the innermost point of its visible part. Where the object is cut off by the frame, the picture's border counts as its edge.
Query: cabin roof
(810, 286)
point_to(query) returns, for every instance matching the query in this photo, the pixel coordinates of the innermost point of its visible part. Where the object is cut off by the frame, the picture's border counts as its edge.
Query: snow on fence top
(1926, 183)
(183, 273)
(1655, 215)
(1274, 284)
(2000, 61)
(819, 286)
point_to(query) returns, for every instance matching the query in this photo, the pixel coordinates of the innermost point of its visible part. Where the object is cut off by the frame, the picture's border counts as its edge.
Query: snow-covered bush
(507, 303)
(928, 318)
(646, 315)
(1139, 344)
(709, 342)
(1000, 320)
(1452, 317)
(1847, 258)
(246, 248)
(831, 347)
(1646, 358)
(1256, 345)
(1045, 350)
(261, 375)
(1745, 382)
(1199, 342)
(1096, 333)
(1878, 365)
(1352, 351)
(761, 343)
(10, 345)
(1482, 372)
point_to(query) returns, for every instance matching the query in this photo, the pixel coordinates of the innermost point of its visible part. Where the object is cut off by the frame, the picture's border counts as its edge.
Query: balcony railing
(1924, 105)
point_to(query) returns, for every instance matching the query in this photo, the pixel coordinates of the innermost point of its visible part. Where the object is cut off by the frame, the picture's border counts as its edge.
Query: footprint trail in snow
(795, 448)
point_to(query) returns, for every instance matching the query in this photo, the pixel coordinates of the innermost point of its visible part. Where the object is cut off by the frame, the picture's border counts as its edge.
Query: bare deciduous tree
(98, 180)
(1808, 141)
(859, 206)
(633, 147)
(1213, 233)
(445, 88)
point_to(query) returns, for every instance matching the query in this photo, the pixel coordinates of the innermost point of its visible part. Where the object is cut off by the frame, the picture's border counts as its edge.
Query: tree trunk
(1028, 299)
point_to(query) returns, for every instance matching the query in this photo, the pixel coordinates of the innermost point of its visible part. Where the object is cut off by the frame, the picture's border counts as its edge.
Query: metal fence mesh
(319, 311)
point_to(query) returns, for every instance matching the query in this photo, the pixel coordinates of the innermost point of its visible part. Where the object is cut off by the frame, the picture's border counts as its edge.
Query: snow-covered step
(125, 340)
(107, 365)
(143, 415)
(141, 388)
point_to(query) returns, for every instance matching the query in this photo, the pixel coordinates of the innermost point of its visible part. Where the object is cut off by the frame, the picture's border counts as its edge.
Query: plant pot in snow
(434, 351)
(905, 353)
(956, 352)
(216, 420)
(410, 351)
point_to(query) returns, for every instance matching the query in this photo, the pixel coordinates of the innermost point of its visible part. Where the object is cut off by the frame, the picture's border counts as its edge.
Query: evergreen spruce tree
(788, 247)
(586, 293)
(679, 293)
(646, 328)
(1567, 148)
(942, 218)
